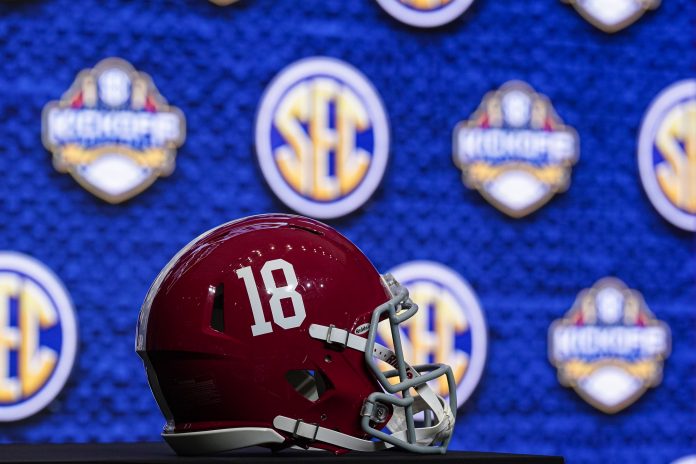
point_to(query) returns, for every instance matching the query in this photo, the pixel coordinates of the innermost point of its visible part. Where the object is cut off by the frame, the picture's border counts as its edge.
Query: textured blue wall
(214, 63)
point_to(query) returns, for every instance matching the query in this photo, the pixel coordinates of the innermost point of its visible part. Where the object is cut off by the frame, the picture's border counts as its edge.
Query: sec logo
(449, 326)
(322, 137)
(425, 13)
(667, 154)
(38, 336)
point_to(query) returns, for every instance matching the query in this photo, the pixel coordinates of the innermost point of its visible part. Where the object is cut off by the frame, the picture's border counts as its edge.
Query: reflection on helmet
(262, 332)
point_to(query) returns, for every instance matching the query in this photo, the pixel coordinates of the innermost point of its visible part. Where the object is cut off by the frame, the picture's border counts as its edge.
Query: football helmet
(262, 331)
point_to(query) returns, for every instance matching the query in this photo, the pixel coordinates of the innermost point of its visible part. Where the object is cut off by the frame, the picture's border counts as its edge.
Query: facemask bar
(399, 309)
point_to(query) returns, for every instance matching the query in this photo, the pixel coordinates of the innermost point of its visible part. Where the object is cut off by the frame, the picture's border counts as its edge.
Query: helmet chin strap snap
(374, 410)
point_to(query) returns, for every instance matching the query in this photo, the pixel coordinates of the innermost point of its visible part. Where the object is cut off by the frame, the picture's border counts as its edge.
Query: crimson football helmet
(262, 331)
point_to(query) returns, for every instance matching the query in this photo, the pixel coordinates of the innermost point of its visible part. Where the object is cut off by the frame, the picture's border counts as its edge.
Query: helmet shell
(207, 374)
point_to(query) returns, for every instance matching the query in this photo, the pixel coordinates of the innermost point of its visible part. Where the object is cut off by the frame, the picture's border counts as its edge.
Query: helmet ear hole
(311, 384)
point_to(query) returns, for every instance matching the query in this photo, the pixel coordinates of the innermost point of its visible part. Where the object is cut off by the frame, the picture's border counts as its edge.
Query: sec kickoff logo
(113, 131)
(322, 137)
(667, 154)
(609, 347)
(425, 13)
(449, 326)
(612, 15)
(515, 150)
(38, 336)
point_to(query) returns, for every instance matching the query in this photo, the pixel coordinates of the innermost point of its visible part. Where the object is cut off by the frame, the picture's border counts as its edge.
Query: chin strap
(427, 400)
(312, 432)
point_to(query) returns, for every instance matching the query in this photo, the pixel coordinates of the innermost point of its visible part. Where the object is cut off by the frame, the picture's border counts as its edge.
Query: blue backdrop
(214, 63)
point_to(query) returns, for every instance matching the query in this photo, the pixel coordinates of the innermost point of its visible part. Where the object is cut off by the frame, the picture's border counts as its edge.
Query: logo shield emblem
(112, 131)
(612, 15)
(515, 150)
(609, 347)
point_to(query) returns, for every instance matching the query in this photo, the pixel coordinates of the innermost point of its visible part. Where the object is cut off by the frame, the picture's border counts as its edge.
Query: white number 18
(261, 325)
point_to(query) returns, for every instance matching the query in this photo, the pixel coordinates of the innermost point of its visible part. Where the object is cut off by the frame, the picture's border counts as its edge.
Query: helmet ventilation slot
(309, 383)
(217, 315)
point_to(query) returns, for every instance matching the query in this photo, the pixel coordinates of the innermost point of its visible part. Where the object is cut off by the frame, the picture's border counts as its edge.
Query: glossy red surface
(212, 379)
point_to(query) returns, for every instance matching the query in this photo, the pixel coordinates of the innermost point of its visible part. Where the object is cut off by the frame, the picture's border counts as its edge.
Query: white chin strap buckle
(305, 432)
